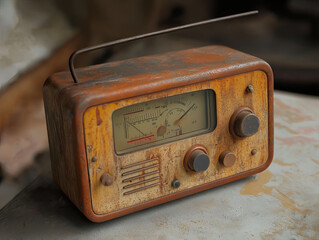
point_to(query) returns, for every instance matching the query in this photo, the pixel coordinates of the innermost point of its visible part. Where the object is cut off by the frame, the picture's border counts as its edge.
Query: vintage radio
(136, 133)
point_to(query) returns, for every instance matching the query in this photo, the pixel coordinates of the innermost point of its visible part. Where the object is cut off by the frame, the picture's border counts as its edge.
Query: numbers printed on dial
(163, 120)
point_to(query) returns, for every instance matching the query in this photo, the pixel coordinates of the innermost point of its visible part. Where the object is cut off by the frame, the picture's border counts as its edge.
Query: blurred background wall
(37, 37)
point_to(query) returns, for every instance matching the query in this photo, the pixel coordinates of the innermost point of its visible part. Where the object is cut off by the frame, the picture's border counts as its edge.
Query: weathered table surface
(280, 203)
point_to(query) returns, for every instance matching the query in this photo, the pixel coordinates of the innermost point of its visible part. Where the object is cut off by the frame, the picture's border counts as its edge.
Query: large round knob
(246, 124)
(198, 161)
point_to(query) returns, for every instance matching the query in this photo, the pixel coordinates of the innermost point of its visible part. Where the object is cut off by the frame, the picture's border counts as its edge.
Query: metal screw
(253, 152)
(176, 183)
(250, 88)
(94, 159)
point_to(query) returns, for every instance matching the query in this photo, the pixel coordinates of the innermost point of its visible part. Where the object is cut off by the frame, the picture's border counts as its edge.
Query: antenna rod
(151, 34)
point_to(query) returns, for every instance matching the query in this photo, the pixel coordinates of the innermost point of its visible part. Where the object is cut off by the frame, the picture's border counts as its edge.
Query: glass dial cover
(163, 120)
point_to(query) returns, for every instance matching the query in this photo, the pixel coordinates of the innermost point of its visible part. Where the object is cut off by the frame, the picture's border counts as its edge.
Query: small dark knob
(176, 183)
(106, 179)
(198, 161)
(246, 124)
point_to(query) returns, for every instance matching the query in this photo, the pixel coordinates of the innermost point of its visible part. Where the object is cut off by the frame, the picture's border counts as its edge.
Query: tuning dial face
(197, 160)
(244, 123)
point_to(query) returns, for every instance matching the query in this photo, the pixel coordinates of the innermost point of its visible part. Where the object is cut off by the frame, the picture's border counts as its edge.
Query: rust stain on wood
(281, 104)
(98, 117)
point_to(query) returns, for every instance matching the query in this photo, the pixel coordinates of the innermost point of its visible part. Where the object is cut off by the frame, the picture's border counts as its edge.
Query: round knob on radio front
(246, 124)
(106, 179)
(198, 161)
(227, 158)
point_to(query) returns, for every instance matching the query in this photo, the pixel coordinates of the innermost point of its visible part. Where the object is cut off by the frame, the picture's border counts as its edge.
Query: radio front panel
(145, 147)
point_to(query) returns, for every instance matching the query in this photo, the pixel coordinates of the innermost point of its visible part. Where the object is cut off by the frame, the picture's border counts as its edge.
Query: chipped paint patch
(308, 130)
(257, 187)
(296, 140)
(285, 127)
(288, 114)
(283, 226)
(282, 163)
(315, 161)
(281, 104)
(288, 203)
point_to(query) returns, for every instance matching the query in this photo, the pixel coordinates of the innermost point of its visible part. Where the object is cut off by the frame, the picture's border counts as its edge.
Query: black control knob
(176, 183)
(198, 161)
(246, 124)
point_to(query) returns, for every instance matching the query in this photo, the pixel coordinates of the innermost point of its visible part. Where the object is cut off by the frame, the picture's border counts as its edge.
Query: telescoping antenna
(147, 35)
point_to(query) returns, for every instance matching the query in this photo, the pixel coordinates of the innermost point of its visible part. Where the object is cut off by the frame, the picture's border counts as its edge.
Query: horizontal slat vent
(140, 176)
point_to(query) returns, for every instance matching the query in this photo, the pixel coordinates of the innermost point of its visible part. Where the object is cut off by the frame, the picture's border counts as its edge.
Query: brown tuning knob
(106, 179)
(244, 123)
(197, 160)
(227, 158)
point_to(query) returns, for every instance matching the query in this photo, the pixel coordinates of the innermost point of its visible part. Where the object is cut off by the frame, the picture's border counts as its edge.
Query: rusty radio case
(136, 133)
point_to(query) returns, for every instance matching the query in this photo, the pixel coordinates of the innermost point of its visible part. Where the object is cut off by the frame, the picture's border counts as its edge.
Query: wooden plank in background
(22, 120)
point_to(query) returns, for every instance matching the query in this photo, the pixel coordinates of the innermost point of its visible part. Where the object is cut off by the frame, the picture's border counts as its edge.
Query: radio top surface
(136, 133)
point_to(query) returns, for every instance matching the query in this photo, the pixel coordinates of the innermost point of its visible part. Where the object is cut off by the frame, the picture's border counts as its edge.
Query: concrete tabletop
(280, 203)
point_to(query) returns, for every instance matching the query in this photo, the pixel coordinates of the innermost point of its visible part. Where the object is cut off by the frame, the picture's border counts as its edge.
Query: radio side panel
(61, 134)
